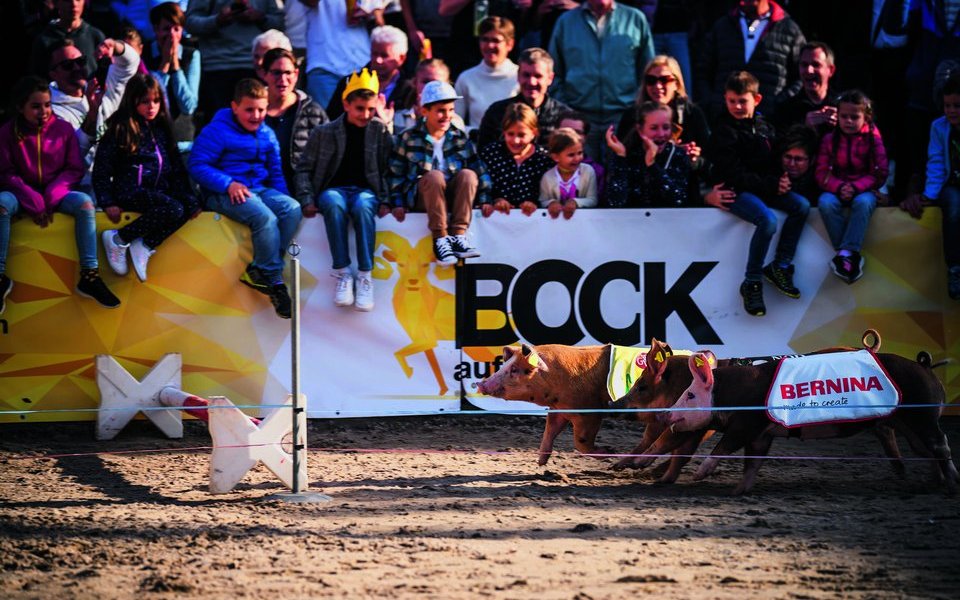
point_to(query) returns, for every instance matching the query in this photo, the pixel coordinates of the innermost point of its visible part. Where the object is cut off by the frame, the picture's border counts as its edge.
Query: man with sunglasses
(81, 101)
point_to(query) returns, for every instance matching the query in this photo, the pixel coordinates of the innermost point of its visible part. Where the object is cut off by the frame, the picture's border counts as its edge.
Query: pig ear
(508, 352)
(711, 358)
(535, 362)
(700, 368)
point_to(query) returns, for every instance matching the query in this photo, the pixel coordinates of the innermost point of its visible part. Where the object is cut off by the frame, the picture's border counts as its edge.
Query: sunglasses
(662, 80)
(71, 64)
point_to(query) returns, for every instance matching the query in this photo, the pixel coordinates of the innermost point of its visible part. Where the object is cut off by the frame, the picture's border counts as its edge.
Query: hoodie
(39, 166)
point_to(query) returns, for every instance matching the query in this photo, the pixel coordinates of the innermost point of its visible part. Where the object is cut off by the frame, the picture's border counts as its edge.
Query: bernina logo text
(823, 387)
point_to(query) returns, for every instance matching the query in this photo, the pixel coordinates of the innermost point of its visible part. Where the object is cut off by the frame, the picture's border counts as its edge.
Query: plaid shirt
(413, 156)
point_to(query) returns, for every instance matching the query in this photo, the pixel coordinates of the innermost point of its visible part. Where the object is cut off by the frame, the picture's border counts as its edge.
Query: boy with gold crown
(342, 174)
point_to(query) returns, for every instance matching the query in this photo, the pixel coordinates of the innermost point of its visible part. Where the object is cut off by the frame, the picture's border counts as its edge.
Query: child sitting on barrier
(433, 165)
(851, 167)
(579, 124)
(236, 160)
(40, 164)
(649, 168)
(516, 163)
(572, 183)
(942, 185)
(741, 152)
(347, 160)
(138, 168)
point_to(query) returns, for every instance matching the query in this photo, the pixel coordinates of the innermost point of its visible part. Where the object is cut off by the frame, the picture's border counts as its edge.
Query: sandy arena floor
(452, 521)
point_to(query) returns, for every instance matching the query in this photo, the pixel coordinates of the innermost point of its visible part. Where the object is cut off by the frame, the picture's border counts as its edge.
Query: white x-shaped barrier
(238, 442)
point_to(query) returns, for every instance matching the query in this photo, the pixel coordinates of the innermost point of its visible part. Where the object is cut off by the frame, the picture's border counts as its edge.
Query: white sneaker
(344, 293)
(462, 248)
(116, 252)
(364, 293)
(139, 255)
(443, 252)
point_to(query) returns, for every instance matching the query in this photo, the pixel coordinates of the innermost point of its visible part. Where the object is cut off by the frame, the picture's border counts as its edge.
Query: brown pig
(734, 386)
(558, 377)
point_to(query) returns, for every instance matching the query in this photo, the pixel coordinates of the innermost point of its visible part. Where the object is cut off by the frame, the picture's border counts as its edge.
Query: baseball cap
(437, 91)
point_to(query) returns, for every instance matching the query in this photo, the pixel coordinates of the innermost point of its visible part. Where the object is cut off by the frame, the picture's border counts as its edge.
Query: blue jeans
(78, 205)
(273, 218)
(676, 44)
(321, 84)
(847, 232)
(361, 205)
(949, 201)
(752, 209)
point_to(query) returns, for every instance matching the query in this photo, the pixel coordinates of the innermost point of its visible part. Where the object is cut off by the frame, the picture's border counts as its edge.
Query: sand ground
(463, 512)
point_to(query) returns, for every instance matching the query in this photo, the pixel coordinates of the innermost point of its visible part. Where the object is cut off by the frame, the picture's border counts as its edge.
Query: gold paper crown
(364, 80)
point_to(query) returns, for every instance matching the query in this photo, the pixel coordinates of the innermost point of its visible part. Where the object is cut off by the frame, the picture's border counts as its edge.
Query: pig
(658, 386)
(662, 382)
(747, 385)
(558, 377)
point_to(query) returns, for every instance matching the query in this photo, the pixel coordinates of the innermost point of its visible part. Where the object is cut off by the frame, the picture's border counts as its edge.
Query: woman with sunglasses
(662, 83)
(291, 113)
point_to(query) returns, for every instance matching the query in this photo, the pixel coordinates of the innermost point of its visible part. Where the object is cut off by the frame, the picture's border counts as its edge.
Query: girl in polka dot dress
(515, 163)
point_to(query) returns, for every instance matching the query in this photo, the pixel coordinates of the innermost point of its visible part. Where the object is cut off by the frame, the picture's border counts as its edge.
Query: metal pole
(298, 486)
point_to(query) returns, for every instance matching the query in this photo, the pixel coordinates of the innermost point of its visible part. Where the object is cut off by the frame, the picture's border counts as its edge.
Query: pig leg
(755, 449)
(681, 456)
(728, 444)
(888, 439)
(555, 424)
(930, 441)
(585, 429)
(650, 434)
(665, 444)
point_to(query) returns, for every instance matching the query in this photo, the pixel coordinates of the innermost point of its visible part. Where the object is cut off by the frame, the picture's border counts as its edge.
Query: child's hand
(913, 204)
(238, 192)
(649, 150)
(385, 110)
(554, 209)
(528, 208)
(784, 185)
(615, 145)
(847, 192)
(568, 208)
(692, 149)
(486, 210)
(399, 213)
(113, 213)
(502, 205)
(43, 219)
(310, 210)
(719, 197)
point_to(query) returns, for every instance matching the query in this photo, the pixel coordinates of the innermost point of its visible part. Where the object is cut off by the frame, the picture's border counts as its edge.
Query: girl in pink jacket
(851, 167)
(40, 165)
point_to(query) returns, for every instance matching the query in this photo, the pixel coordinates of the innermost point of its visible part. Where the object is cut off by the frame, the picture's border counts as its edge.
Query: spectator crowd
(276, 112)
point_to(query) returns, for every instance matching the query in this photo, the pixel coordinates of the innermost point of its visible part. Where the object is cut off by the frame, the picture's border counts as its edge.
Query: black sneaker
(253, 278)
(953, 283)
(443, 251)
(6, 285)
(91, 286)
(841, 265)
(281, 300)
(752, 293)
(782, 279)
(462, 248)
(856, 267)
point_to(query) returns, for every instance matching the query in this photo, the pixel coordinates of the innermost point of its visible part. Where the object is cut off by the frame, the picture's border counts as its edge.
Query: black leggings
(160, 216)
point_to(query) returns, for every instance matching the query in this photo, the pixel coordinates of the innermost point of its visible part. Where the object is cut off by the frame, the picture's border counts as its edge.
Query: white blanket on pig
(831, 388)
(626, 365)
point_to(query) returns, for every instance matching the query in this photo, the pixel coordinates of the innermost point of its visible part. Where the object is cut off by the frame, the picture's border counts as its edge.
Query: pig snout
(491, 386)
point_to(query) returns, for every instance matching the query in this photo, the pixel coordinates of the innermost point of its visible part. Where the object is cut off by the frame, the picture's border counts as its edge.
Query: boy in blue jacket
(236, 160)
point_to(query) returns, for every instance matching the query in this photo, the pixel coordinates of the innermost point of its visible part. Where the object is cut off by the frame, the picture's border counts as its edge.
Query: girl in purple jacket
(40, 166)
(851, 167)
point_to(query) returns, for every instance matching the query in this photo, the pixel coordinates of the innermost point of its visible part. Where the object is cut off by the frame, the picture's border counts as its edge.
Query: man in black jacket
(759, 37)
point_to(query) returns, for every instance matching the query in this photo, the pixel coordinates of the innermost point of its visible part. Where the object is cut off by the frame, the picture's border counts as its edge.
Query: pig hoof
(543, 459)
